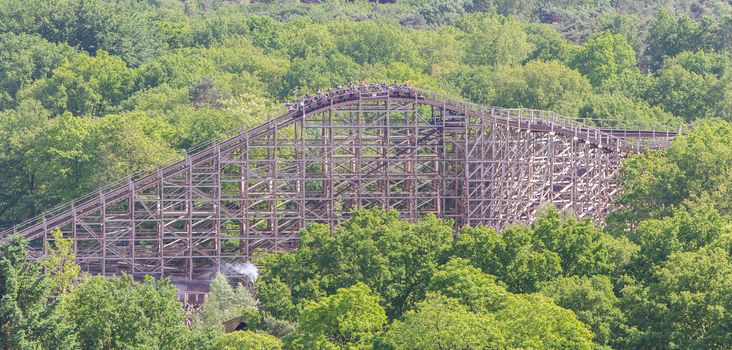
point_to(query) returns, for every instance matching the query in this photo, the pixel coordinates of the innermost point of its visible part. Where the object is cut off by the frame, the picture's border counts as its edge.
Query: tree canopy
(95, 90)
(193, 70)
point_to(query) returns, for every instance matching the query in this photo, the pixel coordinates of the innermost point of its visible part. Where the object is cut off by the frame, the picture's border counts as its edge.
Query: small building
(234, 325)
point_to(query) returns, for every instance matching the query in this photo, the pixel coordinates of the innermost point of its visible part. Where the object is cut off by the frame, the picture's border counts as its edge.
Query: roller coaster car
(311, 103)
(406, 92)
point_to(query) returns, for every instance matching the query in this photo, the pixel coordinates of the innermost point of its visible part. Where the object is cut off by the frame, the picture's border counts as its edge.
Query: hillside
(92, 91)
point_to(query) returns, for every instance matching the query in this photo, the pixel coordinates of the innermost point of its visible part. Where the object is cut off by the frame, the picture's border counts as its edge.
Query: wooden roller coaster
(367, 146)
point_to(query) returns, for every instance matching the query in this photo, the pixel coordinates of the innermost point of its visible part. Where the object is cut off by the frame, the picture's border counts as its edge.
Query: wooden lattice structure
(377, 147)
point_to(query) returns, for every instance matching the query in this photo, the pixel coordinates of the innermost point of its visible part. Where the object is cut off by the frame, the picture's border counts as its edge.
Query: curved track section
(377, 146)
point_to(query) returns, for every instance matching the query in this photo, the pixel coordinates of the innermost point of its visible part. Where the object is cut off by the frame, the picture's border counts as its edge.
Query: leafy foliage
(523, 257)
(494, 40)
(26, 58)
(686, 305)
(685, 93)
(247, 340)
(119, 313)
(670, 35)
(541, 85)
(481, 292)
(605, 58)
(536, 322)
(28, 318)
(394, 258)
(693, 169)
(93, 90)
(85, 86)
(350, 317)
(59, 263)
(619, 110)
(198, 69)
(224, 303)
(440, 322)
(594, 302)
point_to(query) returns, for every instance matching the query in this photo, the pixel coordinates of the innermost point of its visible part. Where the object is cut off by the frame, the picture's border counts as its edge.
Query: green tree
(477, 290)
(395, 258)
(305, 38)
(541, 85)
(605, 59)
(120, 144)
(119, 313)
(247, 340)
(223, 303)
(211, 30)
(20, 130)
(62, 150)
(510, 256)
(372, 42)
(443, 11)
(593, 301)
(440, 322)
(685, 230)
(687, 305)
(265, 32)
(59, 263)
(685, 93)
(626, 25)
(475, 83)
(523, 257)
(724, 107)
(669, 35)
(528, 320)
(619, 110)
(349, 318)
(75, 155)
(29, 318)
(548, 43)
(317, 73)
(494, 40)
(192, 125)
(534, 321)
(173, 26)
(694, 167)
(123, 28)
(722, 33)
(25, 58)
(576, 20)
(278, 298)
(157, 101)
(181, 68)
(253, 69)
(702, 62)
(443, 45)
(579, 244)
(87, 85)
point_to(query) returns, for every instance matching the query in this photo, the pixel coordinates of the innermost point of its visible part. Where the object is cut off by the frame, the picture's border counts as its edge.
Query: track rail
(611, 139)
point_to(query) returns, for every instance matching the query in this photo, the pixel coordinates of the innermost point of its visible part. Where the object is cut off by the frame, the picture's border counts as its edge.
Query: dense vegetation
(652, 279)
(91, 90)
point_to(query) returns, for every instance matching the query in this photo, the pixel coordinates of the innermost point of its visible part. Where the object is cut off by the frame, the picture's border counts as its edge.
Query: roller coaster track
(416, 151)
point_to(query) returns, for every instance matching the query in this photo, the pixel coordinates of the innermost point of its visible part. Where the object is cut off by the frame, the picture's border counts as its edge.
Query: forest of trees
(94, 90)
